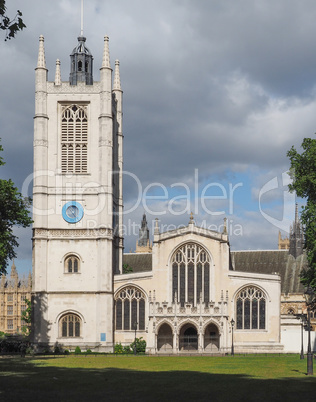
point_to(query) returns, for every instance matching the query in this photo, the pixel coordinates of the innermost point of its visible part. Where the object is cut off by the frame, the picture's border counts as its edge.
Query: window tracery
(251, 309)
(190, 274)
(70, 326)
(130, 309)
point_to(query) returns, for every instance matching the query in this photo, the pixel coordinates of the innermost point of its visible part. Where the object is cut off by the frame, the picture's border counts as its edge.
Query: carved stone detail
(80, 88)
(71, 233)
(292, 308)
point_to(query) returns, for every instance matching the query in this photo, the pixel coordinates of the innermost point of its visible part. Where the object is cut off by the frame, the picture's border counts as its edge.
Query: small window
(10, 324)
(10, 297)
(72, 264)
(10, 310)
(70, 326)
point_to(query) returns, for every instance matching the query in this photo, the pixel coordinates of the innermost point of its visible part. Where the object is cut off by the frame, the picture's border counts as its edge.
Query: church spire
(296, 236)
(143, 233)
(296, 214)
(143, 245)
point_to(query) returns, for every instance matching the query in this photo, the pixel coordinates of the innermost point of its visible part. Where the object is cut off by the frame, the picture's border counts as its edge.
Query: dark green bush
(118, 348)
(140, 345)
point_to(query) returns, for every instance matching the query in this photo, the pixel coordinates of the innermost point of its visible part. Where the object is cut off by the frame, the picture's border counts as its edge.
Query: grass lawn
(156, 378)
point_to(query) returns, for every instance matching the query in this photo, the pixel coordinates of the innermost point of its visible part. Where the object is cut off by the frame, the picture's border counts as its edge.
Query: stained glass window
(251, 309)
(191, 282)
(118, 307)
(130, 309)
(191, 274)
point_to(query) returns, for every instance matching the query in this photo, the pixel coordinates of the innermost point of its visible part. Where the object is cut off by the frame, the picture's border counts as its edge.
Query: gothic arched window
(70, 326)
(72, 264)
(74, 139)
(251, 309)
(130, 309)
(191, 274)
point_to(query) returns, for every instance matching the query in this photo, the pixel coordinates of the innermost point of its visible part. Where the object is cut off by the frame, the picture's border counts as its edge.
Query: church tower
(296, 236)
(143, 244)
(77, 201)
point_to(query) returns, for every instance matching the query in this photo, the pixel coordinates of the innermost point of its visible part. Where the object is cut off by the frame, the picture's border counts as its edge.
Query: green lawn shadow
(23, 380)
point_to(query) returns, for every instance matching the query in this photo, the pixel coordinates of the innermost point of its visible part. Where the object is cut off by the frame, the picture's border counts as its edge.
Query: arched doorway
(211, 339)
(188, 340)
(165, 339)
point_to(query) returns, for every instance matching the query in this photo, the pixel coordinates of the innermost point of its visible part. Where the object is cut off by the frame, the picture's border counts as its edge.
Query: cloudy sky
(215, 94)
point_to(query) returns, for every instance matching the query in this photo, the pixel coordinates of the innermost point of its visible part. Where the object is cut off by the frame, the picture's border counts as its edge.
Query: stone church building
(185, 291)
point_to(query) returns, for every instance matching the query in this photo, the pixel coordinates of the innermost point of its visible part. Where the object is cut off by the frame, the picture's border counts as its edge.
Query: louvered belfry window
(74, 139)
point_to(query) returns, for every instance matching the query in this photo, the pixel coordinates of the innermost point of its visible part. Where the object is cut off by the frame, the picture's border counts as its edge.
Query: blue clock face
(72, 212)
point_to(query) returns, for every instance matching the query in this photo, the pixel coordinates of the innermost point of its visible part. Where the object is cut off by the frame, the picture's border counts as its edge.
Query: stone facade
(77, 201)
(191, 295)
(13, 292)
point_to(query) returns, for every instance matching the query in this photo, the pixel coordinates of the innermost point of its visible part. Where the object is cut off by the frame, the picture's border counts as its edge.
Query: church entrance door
(211, 339)
(165, 339)
(188, 338)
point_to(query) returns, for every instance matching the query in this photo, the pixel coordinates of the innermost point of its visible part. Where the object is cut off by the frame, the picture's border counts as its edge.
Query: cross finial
(191, 217)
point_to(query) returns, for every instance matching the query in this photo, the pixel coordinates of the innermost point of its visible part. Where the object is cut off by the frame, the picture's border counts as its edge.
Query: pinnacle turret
(57, 73)
(106, 53)
(143, 233)
(41, 63)
(117, 78)
(13, 270)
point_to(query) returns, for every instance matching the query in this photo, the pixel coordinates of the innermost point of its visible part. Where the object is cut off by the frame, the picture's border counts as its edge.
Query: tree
(14, 211)
(11, 26)
(127, 269)
(26, 317)
(303, 174)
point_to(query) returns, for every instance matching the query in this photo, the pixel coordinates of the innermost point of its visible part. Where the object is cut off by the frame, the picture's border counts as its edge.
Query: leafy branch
(10, 26)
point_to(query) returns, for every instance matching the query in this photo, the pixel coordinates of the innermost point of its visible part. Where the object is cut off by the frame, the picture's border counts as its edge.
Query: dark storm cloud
(219, 86)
